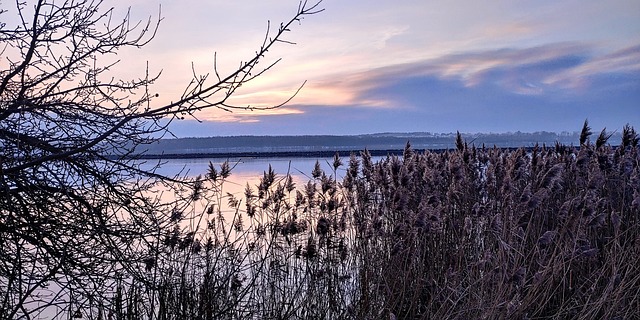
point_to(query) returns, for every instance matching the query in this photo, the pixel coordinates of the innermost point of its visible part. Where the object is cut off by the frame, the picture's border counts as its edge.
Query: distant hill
(331, 143)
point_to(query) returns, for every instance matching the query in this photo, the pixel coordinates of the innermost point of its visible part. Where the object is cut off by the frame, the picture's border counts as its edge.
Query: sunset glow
(436, 66)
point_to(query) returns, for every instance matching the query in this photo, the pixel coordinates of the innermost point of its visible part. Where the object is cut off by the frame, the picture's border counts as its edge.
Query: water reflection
(249, 170)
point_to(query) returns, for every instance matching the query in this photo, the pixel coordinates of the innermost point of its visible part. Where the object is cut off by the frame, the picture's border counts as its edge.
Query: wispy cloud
(557, 80)
(551, 70)
(621, 62)
(248, 115)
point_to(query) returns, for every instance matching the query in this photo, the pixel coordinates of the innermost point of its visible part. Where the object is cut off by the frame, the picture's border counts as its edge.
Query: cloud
(510, 89)
(357, 56)
(245, 115)
(416, 65)
(388, 34)
(560, 80)
(552, 71)
(622, 62)
(485, 90)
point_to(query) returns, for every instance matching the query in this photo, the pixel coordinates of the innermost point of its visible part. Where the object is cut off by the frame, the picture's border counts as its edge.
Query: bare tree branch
(77, 210)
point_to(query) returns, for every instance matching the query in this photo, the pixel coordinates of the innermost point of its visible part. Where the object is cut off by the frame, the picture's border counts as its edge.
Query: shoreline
(276, 154)
(291, 154)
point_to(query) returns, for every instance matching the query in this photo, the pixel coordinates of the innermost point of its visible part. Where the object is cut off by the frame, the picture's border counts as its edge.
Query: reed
(470, 233)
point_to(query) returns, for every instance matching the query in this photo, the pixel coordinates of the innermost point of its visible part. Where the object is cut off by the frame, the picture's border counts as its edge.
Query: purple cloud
(546, 88)
(553, 70)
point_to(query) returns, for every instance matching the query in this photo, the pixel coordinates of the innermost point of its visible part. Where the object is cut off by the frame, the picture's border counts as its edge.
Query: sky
(404, 66)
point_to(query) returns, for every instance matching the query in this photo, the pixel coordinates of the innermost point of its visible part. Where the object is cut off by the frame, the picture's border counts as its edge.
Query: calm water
(250, 170)
(248, 167)
(245, 170)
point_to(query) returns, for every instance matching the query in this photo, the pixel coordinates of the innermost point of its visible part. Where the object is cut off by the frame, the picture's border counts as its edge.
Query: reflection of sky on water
(245, 170)
(250, 170)
(246, 166)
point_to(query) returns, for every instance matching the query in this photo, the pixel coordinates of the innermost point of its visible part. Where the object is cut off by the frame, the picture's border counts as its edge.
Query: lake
(250, 170)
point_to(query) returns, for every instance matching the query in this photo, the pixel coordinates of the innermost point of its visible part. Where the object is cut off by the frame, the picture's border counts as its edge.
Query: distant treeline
(314, 144)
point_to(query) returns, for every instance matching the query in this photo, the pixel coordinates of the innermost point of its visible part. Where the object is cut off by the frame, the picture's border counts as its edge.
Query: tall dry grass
(471, 233)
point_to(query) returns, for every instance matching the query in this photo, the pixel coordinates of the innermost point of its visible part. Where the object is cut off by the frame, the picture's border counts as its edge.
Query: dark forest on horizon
(318, 145)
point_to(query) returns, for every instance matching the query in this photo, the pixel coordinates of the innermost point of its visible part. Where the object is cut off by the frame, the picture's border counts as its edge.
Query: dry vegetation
(464, 234)
(472, 233)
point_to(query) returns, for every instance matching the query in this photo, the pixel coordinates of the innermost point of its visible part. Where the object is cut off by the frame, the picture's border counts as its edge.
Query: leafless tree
(76, 209)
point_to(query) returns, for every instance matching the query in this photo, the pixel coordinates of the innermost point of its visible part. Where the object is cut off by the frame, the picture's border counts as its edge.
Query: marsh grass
(470, 233)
